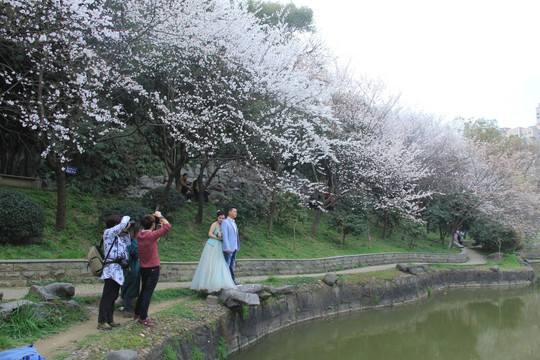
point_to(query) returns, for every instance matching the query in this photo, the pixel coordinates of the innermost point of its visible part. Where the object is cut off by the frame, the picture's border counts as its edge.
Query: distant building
(527, 132)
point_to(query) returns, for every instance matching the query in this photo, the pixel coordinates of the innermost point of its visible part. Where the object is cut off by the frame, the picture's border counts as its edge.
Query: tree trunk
(177, 176)
(61, 199)
(315, 224)
(203, 185)
(342, 238)
(441, 234)
(385, 225)
(272, 212)
(166, 192)
(294, 232)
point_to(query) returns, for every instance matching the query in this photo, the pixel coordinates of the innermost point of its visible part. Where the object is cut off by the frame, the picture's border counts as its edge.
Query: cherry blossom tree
(58, 81)
(224, 85)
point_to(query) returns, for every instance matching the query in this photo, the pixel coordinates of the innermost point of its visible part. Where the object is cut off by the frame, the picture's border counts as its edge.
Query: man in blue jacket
(231, 239)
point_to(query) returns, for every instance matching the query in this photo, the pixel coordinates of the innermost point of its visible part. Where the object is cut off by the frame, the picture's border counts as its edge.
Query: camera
(122, 262)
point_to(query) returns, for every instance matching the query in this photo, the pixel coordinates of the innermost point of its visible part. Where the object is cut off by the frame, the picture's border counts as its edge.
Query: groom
(231, 239)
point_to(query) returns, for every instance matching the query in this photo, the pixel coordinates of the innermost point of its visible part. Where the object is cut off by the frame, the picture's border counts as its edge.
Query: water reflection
(464, 324)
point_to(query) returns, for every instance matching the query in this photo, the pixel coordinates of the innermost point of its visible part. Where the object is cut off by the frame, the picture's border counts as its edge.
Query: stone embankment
(242, 326)
(29, 272)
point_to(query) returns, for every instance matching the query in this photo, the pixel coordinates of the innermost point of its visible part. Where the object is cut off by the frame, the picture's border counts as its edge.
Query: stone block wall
(29, 272)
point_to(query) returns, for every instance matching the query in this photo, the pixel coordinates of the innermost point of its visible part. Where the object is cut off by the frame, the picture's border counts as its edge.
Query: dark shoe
(104, 326)
(115, 324)
(145, 322)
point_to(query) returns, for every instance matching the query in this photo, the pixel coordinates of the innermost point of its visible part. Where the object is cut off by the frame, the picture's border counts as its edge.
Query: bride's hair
(220, 212)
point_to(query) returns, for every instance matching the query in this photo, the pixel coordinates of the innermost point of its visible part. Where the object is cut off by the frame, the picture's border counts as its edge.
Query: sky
(467, 58)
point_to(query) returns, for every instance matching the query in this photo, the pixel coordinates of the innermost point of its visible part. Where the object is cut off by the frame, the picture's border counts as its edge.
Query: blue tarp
(24, 353)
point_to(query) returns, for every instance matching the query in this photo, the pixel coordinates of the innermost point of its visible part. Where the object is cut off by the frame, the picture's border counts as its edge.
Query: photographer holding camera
(115, 243)
(149, 262)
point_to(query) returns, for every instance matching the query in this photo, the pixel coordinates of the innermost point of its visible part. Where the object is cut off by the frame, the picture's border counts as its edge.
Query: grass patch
(174, 294)
(510, 261)
(222, 348)
(186, 239)
(364, 278)
(28, 323)
(274, 281)
(181, 311)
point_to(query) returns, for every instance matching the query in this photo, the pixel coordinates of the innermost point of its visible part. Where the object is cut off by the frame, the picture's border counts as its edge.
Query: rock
(145, 182)
(495, 268)
(234, 297)
(412, 270)
(54, 291)
(7, 308)
(264, 295)
(41, 293)
(330, 279)
(402, 267)
(122, 355)
(497, 257)
(212, 300)
(28, 274)
(424, 267)
(72, 304)
(251, 288)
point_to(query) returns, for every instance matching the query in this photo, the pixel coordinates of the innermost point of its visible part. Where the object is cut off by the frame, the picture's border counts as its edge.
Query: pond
(454, 325)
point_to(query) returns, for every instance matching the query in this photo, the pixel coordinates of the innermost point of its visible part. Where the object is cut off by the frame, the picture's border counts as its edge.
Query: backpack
(95, 257)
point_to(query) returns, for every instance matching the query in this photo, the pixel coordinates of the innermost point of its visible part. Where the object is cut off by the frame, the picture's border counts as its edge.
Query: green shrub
(132, 209)
(21, 219)
(175, 199)
(493, 236)
(288, 208)
(349, 217)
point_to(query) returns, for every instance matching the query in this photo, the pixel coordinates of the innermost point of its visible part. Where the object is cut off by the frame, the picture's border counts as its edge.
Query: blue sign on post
(71, 170)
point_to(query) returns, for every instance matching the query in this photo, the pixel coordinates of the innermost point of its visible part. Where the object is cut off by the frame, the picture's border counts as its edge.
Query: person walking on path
(149, 262)
(213, 273)
(231, 239)
(115, 242)
(132, 283)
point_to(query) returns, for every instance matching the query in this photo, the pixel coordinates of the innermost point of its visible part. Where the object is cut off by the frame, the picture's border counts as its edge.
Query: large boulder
(330, 279)
(402, 267)
(122, 355)
(54, 291)
(413, 270)
(236, 297)
(6, 309)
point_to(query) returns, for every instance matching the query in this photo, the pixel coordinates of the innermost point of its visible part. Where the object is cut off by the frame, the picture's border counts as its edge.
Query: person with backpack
(115, 243)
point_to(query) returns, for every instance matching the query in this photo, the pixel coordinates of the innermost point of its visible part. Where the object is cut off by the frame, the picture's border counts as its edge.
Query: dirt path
(63, 342)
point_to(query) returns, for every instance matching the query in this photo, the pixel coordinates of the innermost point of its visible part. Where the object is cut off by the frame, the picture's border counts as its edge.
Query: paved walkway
(16, 293)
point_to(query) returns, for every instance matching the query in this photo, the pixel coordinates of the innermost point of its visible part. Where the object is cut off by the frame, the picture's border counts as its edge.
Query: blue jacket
(231, 239)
